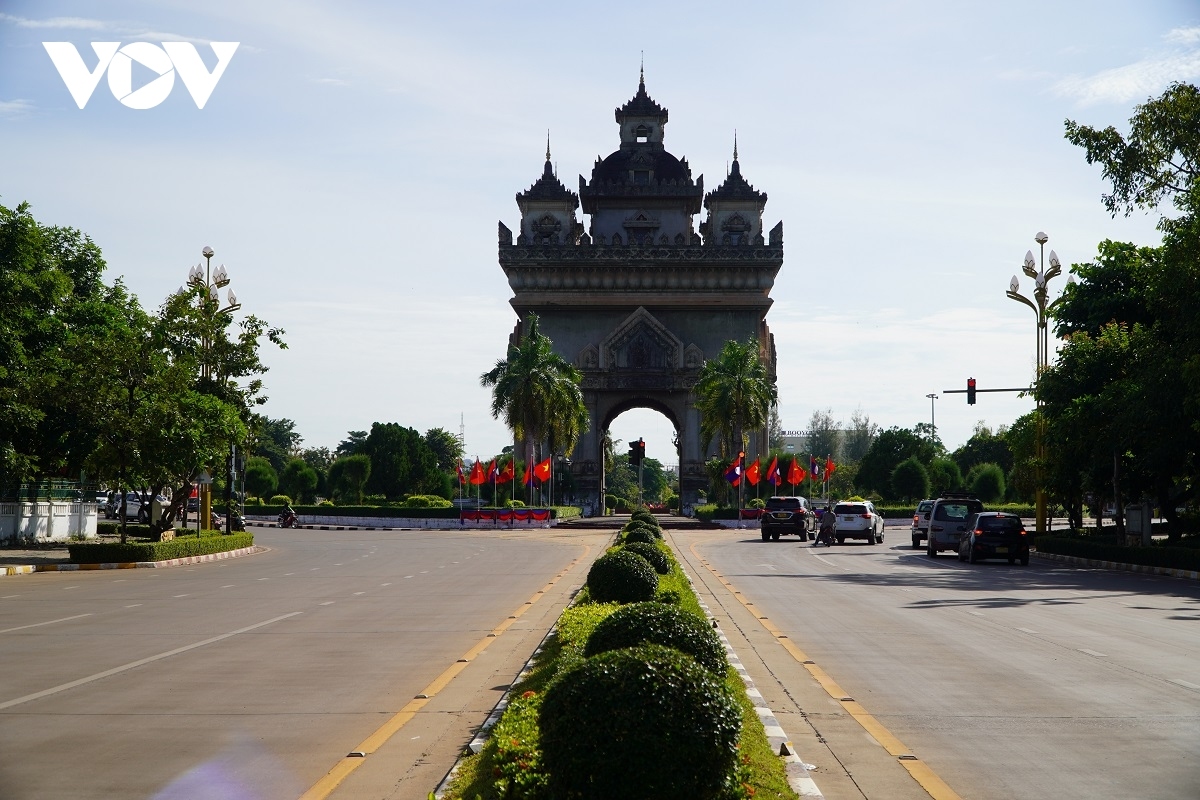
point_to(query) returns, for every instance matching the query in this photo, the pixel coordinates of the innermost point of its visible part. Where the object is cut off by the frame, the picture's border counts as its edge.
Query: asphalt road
(1003, 681)
(255, 677)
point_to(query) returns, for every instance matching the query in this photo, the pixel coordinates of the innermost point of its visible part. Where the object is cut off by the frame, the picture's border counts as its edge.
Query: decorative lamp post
(211, 281)
(1041, 279)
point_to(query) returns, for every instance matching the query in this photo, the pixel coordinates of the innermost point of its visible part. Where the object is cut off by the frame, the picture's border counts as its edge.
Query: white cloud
(56, 22)
(1140, 80)
(14, 107)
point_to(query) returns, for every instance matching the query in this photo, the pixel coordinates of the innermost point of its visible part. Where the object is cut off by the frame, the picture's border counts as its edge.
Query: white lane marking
(408, 576)
(264, 579)
(40, 624)
(177, 596)
(314, 569)
(905, 590)
(1184, 684)
(327, 603)
(1026, 630)
(975, 613)
(135, 605)
(823, 561)
(288, 574)
(337, 565)
(424, 572)
(228, 586)
(9, 596)
(1091, 652)
(140, 662)
(69, 588)
(385, 584)
(356, 594)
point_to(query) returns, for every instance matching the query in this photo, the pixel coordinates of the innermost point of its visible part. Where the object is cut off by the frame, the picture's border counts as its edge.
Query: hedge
(398, 512)
(179, 547)
(1185, 558)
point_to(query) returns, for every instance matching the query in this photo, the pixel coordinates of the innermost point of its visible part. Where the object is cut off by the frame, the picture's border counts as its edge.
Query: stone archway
(640, 299)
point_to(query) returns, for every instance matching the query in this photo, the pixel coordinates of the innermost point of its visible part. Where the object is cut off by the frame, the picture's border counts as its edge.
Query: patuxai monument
(639, 295)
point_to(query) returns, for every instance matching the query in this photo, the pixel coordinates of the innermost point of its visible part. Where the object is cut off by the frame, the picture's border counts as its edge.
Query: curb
(1120, 566)
(29, 569)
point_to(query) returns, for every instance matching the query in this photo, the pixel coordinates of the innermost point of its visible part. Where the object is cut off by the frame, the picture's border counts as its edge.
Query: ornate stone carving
(641, 342)
(693, 357)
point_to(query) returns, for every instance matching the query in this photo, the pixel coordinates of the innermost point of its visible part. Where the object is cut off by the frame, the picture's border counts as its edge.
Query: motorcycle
(826, 537)
(288, 520)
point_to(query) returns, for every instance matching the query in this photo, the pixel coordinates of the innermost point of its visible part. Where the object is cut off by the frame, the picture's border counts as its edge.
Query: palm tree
(734, 394)
(537, 392)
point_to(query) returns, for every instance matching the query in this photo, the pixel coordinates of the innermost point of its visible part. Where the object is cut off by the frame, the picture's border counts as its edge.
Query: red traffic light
(970, 391)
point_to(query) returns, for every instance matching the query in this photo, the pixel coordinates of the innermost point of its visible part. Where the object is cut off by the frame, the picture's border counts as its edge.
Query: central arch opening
(641, 420)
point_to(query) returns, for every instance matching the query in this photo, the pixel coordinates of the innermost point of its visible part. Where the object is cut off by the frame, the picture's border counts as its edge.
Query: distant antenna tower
(462, 430)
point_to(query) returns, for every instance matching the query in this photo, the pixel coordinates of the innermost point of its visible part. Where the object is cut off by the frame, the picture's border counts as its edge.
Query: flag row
(817, 471)
(494, 473)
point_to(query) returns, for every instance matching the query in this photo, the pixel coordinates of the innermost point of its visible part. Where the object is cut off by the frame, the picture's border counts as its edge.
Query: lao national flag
(752, 472)
(542, 471)
(507, 474)
(734, 473)
(462, 477)
(492, 472)
(773, 472)
(814, 467)
(528, 479)
(477, 476)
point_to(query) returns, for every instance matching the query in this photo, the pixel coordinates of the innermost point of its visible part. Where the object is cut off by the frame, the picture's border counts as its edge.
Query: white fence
(47, 521)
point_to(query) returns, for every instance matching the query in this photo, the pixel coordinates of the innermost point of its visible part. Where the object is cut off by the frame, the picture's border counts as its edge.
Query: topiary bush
(643, 535)
(644, 515)
(657, 623)
(641, 722)
(621, 577)
(280, 499)
(657, 558)
(654, 530)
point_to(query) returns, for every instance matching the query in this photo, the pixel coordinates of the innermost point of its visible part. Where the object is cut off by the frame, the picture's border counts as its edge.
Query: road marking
(1091, 652)
(356, 594)
(341, 770)
(177, 596)
(327, 603)
(40, 624)
(408, 576)
(9, 596)
(385, 584)
(135, 605)
(140, 662)
(1026, 630)
(818, 558)
(975, 613)
(1184, 684)
(228, 586)
(929, 780)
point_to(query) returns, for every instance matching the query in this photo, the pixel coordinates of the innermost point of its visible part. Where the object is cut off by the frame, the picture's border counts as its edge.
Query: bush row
(1156, 555)
(180, 547)
(557, 512)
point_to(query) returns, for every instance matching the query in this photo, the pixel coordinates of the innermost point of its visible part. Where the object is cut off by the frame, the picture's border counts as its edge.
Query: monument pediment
(641, 342)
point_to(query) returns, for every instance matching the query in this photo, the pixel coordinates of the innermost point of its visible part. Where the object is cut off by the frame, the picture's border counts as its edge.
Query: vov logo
(165, 61)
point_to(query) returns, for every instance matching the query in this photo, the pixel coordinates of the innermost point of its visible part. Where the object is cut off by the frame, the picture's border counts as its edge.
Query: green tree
(446, 447)
(858, 436)
(944, 476)
(824, 435)
(987, 482)
(910, 481)
(353, 443)
(887, 451)
(261, 479)
(537, 393)
(734, 394)
(402, 464)
(348, 477)
(984, 446)
(276, 440)
(298, 480)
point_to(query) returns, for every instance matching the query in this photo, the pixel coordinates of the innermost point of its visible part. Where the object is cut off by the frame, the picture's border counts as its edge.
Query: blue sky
(351, 164)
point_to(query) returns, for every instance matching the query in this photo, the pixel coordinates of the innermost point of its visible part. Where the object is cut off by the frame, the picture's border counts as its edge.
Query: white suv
(857, 520)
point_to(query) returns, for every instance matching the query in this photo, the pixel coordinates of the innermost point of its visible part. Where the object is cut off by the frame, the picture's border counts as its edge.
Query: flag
(773, 477)
(506, 474)
(829, 468)
(752, 472)
(492, 472)
(542, 471)
(477, 473)
(796, 473)
(734, 473)
(528, 479)
(462, 477)
(814, 467)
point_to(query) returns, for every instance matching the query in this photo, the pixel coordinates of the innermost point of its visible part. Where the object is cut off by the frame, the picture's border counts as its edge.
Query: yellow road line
(342, 769)
(933, 785)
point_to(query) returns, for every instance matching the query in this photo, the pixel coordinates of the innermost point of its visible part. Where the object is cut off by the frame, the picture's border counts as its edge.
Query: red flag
(829, 468)
(462, 477)
(542, 471)
(796, 473)
(492, 472)
(773, 472)
(506, 474)
(477, 473)
(528, 479)
(752, 472)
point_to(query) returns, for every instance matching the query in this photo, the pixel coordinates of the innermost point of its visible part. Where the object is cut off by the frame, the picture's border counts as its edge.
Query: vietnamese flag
(796, 473)
(506, 474)
(752, 472)
(477, 473)
(773, 476)
(542, 471)
(829, 468)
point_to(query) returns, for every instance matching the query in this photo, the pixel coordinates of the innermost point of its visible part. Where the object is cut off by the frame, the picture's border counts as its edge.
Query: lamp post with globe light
(211, 282)
(1041, 279)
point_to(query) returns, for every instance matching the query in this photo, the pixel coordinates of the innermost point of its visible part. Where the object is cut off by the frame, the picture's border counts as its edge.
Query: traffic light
(970, 391)
(634, 453)
(641, 445)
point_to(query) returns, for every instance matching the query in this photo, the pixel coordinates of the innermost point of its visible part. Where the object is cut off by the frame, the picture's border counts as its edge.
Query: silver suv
(920, 523)
(948, 521)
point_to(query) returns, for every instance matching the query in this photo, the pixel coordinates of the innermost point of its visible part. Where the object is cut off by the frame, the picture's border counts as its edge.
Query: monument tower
(639, 297)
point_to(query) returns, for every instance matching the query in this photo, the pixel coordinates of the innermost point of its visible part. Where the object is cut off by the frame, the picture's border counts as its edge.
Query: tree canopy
(734, 394)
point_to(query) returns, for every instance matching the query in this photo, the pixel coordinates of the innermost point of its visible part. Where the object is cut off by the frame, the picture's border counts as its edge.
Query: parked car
(948, 521)
(858, 520)
(787, 515)
(920, 523)
(994, 534)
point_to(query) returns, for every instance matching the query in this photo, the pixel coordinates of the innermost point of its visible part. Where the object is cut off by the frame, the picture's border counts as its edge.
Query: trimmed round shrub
(621, 577)
(658, 623)
(654, 530)
(280, 499)
(425, 501)
(639, 535)
(644, 516)
(642, 722)
(657, 558)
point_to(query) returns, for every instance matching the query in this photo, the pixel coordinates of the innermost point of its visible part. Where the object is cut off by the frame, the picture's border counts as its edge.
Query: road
(256, 676)
(1003, 681)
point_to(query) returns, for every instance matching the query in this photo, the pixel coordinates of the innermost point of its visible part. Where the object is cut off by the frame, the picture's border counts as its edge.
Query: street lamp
(1041, 279)
(932, 416)
(211, 282)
